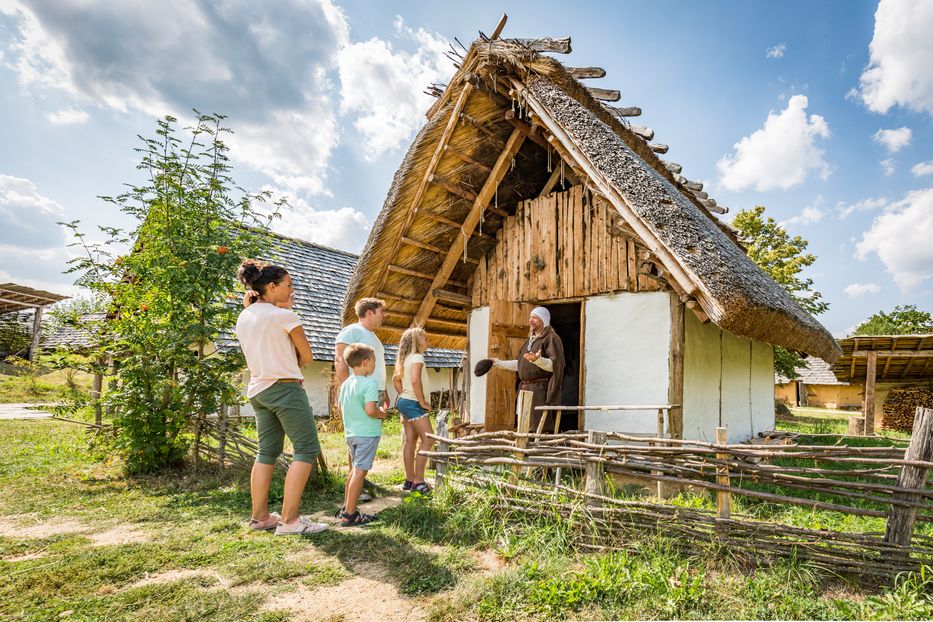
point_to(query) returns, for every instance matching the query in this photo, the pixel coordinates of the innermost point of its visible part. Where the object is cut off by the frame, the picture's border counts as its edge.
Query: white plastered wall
(728, 380)
(479, 349)
(316, 384)
(626, 356)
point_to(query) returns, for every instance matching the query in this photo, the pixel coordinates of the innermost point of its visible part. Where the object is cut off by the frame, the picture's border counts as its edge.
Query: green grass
(48, 386)
(430, 550)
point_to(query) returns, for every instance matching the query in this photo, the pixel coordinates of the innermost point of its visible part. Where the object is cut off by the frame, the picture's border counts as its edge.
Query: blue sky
(821, 111)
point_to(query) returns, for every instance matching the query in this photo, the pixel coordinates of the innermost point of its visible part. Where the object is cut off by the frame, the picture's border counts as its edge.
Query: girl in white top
(411, 383)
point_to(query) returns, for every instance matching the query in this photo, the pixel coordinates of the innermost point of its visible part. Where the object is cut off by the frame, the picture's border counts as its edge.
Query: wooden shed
(526, 187)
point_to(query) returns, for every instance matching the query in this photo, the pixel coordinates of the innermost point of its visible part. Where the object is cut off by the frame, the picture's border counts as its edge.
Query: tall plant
(170, 293)
(784, 258)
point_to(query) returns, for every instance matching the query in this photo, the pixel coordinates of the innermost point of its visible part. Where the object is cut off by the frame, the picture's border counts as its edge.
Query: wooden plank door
(508, 330)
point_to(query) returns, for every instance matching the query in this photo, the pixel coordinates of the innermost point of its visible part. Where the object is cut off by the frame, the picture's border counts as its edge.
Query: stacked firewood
(901, 404)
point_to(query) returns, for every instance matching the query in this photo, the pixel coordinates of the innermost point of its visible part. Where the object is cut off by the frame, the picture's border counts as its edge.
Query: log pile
(901, 404)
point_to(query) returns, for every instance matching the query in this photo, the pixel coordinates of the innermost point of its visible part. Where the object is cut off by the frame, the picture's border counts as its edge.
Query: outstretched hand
(531, 357)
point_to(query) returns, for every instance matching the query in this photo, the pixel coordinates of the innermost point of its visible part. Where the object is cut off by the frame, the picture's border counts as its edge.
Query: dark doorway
(565, 319)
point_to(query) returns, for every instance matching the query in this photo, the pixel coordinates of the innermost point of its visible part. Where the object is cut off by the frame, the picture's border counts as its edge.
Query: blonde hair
(356, 353)
(414, 340)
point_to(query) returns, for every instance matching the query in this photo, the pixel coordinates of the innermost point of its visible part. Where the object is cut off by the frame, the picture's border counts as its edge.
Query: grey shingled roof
(320, 275)
(76, 336)
(813, 371)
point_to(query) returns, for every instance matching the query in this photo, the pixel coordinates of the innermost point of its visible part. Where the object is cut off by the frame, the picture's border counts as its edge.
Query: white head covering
(543, 314)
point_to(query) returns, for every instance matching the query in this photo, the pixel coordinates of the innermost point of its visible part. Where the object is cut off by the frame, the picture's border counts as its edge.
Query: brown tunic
(545, 385)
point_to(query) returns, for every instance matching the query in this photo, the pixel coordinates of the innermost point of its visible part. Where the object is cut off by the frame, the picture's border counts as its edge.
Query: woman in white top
(411, 382)
(274, 344)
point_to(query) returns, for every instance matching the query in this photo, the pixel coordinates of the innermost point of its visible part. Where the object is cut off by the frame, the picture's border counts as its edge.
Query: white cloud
(888, 165)
(893, 140)
(263, 66)
(900, 72)
(901, 239)
(922, 168)
(27, 218)
(861, 289)
(777, 51)
(844, 210)
(808, 215)
(68, 116)
(779, 155)
(383, 86)
(345, 228)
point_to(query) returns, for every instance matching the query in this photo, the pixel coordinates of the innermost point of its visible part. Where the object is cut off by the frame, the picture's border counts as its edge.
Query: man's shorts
(363, 451)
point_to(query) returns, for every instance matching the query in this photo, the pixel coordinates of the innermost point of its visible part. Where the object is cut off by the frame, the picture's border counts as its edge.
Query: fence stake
(222, 424)
(441, 463)
(901, 519)
(523, 414)
(595, 474)
(723, 497)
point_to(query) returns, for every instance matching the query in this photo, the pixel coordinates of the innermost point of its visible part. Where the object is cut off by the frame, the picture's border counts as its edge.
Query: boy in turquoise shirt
(362, 424)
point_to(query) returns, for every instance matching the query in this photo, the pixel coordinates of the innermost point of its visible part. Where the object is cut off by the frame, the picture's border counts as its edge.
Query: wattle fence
(573, 474)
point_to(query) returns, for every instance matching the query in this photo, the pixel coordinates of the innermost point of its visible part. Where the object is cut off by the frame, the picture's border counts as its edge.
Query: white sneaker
(302, 526)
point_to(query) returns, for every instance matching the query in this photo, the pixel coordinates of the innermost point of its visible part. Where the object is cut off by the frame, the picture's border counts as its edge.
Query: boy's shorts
(363, 451)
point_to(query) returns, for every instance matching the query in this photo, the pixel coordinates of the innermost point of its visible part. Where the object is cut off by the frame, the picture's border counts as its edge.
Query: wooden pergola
(883, 358)
(14, 298)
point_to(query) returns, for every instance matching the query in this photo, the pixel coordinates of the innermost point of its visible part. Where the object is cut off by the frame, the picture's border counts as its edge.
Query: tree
(903, 320)
(783, 258)
(170, 295)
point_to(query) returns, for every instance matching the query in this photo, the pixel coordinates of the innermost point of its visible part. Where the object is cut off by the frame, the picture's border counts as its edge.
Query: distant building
(817, 387)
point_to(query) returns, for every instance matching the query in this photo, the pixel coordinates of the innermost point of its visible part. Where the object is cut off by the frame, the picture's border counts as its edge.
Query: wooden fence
(885, 484)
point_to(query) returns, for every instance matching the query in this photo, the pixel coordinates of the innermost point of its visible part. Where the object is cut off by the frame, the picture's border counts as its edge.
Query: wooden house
(526, 187)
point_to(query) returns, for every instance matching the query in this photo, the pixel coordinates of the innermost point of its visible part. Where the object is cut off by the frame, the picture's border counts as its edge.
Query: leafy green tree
(784, 258)
(171, 293)
(903, 320)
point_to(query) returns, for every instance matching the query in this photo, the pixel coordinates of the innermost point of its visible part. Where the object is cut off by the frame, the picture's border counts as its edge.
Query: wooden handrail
(622, 407)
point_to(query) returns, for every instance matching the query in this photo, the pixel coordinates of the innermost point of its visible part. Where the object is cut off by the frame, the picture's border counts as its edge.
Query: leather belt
(536, 381)
(289, 380)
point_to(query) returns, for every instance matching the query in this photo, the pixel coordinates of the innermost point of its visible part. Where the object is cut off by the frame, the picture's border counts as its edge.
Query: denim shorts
(363, 451)
(410, 409)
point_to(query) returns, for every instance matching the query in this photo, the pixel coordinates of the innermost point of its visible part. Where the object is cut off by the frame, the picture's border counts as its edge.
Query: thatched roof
(504, 86)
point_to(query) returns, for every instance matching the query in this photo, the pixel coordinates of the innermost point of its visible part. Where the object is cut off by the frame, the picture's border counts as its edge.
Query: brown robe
(545, 385)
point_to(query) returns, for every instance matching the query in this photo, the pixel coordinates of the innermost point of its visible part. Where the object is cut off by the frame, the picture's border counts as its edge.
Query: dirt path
(23, 411)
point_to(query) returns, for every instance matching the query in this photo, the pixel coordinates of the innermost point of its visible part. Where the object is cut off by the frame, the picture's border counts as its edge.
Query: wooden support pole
(440, 471)
(675, 387)
(595, 473)
(856, 425)
(36, 334)
(452, 297)
(901, 519)
(523, 415)
(868, 399)
(723, 497)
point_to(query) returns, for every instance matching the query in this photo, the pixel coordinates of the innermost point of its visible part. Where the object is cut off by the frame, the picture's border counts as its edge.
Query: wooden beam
(498, 31)
(499, 170)
(673, 167)
(675, 390)
(432, 248)
(585, 73)
(465, 158)
(421, 275)
(606, 95)
(645, 132)
(452, 297)
(868, 404)
(452, 188)
(451, 223)
(547, 44)
(529, 131)
(446, 323)
(626, 111)
(891, 353)
(658, 147)
(429, 331)
(432, 165)
(415, 301)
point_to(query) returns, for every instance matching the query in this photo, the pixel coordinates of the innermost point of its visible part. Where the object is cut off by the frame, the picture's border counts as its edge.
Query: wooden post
(222, 449)
(96, 389)
(595, 475)
(36, 333)
(900, 528)
(868, 404)
(723, 497)
(675, 388)
(523, 414)
(856, 425)
(441, 464)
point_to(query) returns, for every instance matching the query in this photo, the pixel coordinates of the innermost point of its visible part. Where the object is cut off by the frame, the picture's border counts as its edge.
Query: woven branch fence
(887, 484)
